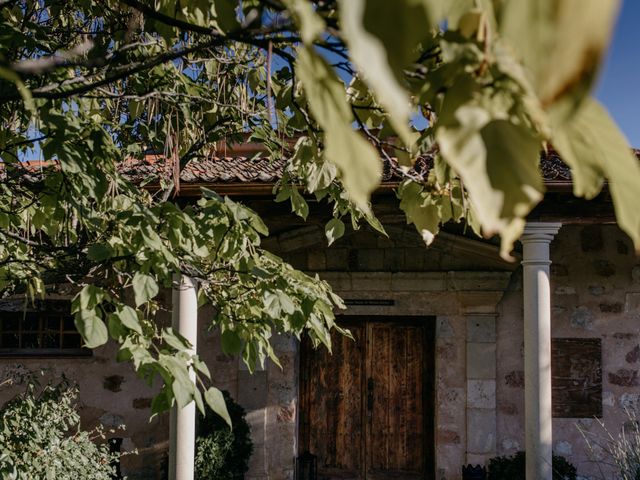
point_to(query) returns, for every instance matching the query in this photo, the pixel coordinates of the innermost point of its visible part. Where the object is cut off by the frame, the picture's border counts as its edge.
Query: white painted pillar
(182, 425)
(537, 348)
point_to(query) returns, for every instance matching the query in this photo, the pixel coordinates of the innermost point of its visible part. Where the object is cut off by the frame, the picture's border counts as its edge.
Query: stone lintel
(455, 281)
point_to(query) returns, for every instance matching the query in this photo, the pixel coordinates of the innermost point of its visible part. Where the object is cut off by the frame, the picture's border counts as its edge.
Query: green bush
(510, 468)
(40, 438)
(222, 453)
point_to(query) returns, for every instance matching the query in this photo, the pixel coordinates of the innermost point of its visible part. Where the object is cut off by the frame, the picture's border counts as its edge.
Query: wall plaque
(576, 368)
(370, 302)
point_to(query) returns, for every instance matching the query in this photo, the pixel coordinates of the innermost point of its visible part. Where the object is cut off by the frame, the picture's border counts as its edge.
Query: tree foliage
(40, 437)
(331, 86)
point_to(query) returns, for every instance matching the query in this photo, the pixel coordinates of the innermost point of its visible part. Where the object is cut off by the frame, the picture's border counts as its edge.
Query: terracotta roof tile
(236, 167)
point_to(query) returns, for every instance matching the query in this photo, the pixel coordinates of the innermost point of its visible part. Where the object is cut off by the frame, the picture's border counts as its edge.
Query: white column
(537, 348)
(182, 425)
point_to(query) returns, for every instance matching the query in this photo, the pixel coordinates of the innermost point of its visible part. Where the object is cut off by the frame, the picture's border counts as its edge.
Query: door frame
(428, 380)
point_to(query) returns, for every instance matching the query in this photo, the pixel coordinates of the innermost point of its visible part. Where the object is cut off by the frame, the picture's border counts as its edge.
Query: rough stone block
(481, 394)
(481, 328)
(633, 355)
(284, 343)
(624, 377)
(596, 290)
(477, 281)
(418, 281)
(630, 400)
(565, 291)
(316, 260)
(339, 281)
(447, 437)
(604, 268)
(252, 389)
(337, 259)
(591, 239)
(510, 445)
(393, 259)
(581, 317)
(559, 270)
(614, 307)
(371, 259)
(514, 379)
(481, 361)
(632, 302)
(481, 431)
(563, 448)
(373, 281)
(444, 328)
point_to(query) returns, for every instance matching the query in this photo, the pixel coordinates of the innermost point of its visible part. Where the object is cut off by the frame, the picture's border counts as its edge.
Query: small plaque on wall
(369, 302)
(576, 368)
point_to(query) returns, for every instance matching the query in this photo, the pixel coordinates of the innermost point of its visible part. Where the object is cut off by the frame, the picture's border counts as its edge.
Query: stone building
(436, 375)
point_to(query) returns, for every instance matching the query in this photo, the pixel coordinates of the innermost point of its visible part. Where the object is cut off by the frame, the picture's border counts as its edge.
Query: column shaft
(182, 424)
(537, 349)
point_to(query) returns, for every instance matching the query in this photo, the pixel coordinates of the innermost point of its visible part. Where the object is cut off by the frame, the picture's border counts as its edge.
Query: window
(43, 329)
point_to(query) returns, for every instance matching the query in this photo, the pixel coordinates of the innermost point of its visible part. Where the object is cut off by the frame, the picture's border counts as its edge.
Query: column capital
(540, 232)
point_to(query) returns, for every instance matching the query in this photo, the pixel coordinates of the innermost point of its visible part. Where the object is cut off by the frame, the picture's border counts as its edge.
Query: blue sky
(619, 85)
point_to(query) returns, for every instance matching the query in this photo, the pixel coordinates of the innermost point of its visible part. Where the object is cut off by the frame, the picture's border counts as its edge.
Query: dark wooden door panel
(366, 410)
(395, 433)
(332, 406)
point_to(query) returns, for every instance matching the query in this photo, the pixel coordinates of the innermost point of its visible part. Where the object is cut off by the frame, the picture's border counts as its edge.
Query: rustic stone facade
(476, 300)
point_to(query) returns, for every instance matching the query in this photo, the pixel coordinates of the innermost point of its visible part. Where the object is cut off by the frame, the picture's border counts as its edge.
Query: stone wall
(595, 284)
(477, 301)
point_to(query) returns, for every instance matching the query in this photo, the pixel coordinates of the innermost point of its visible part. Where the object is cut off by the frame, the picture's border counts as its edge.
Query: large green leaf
(562, 43)
(381, 50)
(595, 149)
(359, 165)
(420, 210)
(92, 328)
(498, 164)
(144, 288)
(215, 400)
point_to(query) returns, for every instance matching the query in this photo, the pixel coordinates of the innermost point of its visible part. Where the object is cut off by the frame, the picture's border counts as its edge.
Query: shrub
(619, 452)
(223, 453)
(510, 468)
(40, 438)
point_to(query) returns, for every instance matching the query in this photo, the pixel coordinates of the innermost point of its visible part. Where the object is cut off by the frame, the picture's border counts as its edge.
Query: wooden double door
(367, 410)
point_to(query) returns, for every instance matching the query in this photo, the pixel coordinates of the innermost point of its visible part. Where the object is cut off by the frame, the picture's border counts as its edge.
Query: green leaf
(561, 43)
(299, 205)
(498, 164)
(594, 148)
(215, 400)
(92, 328)
(420, 210)
(175, 340)
(358, 163)
(334, 229)
(381, 53)
(231, 342)
(144, 288)
(88, 298)
(129, 318)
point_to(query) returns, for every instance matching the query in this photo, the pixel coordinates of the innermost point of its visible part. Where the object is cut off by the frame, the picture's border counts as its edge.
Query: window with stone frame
(42, 328)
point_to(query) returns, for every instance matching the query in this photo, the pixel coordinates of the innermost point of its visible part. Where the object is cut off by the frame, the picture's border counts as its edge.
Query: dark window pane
(50, 340)
(9, 321)
(31, 322)
(53, 322)
(30, 340)
(71, 340)
(9, 340)
(68, 323)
